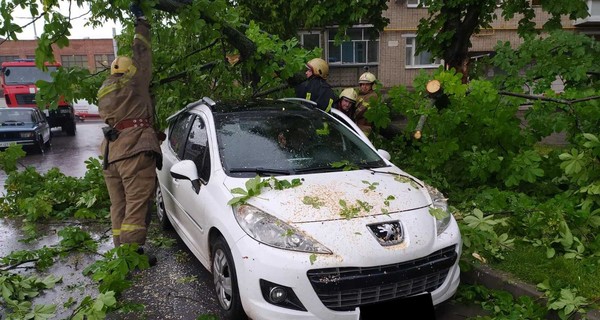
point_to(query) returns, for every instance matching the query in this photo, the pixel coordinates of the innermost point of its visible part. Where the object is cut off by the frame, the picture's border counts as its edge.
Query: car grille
(344, 289)
(25, 99)
(10, 136)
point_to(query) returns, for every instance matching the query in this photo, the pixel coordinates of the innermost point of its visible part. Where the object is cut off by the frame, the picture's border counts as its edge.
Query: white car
(297, 216)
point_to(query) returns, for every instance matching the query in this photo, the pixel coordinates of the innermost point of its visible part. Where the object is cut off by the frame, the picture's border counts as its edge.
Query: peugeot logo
(387, 233)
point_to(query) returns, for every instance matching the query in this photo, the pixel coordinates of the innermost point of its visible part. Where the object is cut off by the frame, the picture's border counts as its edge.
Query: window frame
(364, 29)
(412, 59)
(301, 35)
(75, 60)
(413, 5)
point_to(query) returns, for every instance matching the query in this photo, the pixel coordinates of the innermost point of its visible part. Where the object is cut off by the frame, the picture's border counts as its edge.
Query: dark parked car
(25, 126)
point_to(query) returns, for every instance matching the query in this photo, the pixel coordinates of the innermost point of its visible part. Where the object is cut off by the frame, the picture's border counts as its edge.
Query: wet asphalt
(178, 287)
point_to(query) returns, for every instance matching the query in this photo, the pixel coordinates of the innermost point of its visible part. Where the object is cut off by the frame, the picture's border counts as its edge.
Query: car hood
(340, 195)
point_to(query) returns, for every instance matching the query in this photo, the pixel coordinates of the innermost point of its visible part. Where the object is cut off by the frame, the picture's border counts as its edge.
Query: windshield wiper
(261, 171)
(372, 165)
(318, 169)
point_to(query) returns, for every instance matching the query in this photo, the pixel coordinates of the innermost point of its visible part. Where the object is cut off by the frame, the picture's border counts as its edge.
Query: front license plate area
(421, 304)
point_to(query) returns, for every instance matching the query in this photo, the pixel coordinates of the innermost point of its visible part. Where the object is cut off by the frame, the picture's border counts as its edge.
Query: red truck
(18, 84)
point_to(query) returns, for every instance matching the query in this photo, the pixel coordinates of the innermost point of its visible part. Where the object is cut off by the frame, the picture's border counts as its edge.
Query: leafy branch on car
(255, 185)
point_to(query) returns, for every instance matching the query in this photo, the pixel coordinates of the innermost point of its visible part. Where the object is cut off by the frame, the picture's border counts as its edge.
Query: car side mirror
(186, 170)
(384, 154)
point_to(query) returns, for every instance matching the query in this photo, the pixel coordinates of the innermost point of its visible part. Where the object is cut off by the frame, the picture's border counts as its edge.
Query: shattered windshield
(26, 75)
(289, 141)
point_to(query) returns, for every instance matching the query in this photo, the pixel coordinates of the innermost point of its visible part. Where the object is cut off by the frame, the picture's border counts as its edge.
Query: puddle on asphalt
(74, 284)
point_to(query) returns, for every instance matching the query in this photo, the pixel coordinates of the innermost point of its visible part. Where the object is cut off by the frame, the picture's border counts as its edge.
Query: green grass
(530, 265)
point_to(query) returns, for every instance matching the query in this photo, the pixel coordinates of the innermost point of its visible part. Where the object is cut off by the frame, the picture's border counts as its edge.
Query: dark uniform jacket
(128, 97)
(318, 90)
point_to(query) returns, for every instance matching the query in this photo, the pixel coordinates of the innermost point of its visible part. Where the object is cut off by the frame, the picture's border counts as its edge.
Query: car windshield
(26, 75)
(289, 140)
(8, 115)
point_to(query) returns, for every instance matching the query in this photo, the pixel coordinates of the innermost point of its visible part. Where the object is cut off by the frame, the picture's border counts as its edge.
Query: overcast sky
(22, 17)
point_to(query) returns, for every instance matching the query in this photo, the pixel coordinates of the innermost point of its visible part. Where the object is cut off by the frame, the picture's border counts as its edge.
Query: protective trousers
(131, 184)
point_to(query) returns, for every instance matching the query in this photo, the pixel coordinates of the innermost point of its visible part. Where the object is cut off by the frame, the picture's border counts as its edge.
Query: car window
(292, 141)
(196, 149)
(178, 132)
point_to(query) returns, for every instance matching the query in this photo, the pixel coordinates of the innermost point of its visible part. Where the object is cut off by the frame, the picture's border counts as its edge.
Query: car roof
(257, 105)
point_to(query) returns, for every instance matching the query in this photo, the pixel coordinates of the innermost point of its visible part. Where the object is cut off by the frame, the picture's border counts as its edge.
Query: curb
(499, 280)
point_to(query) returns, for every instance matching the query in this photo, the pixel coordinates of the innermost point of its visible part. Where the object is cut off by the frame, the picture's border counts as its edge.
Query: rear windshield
(289, 141)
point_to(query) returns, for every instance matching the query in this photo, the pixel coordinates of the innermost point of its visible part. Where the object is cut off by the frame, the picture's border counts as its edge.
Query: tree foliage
(222, 49)
(447, 31)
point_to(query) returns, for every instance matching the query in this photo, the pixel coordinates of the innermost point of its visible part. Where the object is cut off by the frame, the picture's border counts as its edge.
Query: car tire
(161, 212)
(70, 128)
(225, 280)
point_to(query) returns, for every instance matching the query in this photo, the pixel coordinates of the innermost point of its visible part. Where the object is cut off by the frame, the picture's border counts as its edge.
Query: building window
(103, 61)
(536, 2)
(362, 47)
(73, 61)
(310, 40)
(421, 60)
(414, 3)
(8, 58)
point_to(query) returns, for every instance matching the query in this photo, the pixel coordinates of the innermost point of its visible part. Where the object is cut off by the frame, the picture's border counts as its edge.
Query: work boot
(151, 257)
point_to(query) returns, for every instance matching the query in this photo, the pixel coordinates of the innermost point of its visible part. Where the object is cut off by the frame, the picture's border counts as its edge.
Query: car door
(192, 204)
(42, 122)
(172, 151)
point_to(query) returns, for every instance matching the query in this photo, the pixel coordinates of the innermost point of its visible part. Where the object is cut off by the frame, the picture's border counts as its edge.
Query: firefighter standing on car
(131, 147)
(366, 95)
(315, 87)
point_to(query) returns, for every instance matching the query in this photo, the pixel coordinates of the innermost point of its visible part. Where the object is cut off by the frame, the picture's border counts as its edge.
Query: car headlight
(271, 231)
(439, 209)
(26, 134)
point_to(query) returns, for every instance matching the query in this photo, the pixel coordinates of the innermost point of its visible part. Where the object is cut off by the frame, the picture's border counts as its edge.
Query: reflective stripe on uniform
(142, 39)
(122, 82)
(132, 227)
(329, 105)
(308, 94)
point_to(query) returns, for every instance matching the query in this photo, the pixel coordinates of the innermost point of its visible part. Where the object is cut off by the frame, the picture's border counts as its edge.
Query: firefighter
(131, 146)
(315, 87)
(347, 102)
(366, 95)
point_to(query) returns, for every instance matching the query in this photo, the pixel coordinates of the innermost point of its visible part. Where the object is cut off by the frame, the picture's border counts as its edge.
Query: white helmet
(367, 77)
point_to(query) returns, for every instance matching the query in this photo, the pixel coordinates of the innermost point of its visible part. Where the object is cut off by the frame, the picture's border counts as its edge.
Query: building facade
(389, 54)
(93, 54)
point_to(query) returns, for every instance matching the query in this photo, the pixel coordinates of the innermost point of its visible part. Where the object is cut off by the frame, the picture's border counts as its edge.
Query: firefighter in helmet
(347, 102)
(315, 87)
(366, 96)
(131, 145)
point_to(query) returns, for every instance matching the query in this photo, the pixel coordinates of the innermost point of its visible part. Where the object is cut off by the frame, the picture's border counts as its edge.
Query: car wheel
(161, 212)
(71, 128)
(225, 280)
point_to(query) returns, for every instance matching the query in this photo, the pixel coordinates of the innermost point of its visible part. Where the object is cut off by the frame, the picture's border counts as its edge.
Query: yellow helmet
(367, 77)
(121, 64)
(349, 93)
(319, 67)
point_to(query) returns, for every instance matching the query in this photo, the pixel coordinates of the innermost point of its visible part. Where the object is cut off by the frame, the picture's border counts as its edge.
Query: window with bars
(362, 47)
(73, 61)
(421, 60)
(103, 61)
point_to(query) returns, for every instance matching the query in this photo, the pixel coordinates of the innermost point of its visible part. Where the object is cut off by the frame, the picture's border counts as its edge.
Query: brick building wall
(89, 48)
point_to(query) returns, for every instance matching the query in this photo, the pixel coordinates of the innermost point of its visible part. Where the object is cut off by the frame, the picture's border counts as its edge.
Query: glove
(137, 11)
